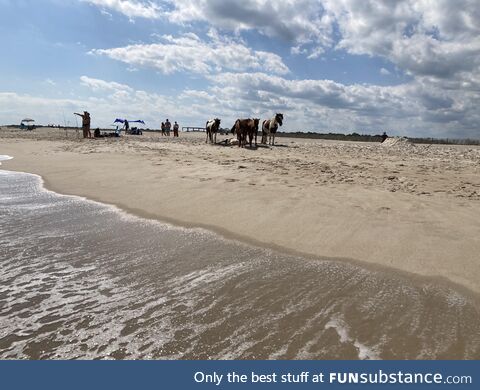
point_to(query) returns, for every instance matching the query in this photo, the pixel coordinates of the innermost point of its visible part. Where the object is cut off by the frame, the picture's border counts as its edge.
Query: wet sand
(412, 208)
(82, 280)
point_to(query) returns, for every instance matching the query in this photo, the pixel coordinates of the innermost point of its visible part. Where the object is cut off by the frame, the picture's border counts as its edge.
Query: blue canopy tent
(122, 121)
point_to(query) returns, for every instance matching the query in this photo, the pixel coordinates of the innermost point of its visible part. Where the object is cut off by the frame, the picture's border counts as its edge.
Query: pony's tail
(234, 127)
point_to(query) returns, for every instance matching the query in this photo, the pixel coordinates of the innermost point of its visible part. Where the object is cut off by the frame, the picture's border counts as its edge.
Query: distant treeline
(334, 136)
(445, 141)
(376, 138)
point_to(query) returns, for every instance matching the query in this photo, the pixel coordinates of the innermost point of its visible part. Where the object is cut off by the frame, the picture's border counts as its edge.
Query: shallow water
(79, 279)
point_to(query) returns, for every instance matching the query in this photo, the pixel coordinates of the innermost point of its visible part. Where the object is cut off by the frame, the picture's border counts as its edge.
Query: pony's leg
(215, 137)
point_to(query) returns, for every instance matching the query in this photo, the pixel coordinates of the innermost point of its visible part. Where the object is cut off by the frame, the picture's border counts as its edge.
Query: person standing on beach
(163, 129)
(384, 137)
(175, 129)
(126, 125)
(85, 124)
(168, 127)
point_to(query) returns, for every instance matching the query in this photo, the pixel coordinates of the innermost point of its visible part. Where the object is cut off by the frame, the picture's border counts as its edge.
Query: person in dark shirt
(168, 127)
(384, 137)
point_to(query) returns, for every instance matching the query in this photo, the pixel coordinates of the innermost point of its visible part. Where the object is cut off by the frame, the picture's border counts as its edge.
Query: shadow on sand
(259, 146)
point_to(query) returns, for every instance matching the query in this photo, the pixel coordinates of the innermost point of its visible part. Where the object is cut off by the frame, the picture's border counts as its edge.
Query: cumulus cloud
(384, 72)
(14, 107)
(412, 109)
(421, 37)
(294, 21)
(102, 85)
(434, 43)
(130, 8)
(189, 53)
(111, 100)
(363, 99)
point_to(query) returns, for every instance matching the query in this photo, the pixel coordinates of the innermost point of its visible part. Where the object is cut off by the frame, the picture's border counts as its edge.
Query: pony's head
(279, 119)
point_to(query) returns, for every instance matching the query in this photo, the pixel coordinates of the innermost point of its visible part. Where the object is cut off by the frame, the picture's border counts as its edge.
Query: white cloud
(112, 100)
(384, 72)
(300, 22)
(102, 85)
(50, 82)
(188, 53)
(435, 43)
(14, 107)
(415, 109)
(130, 8)
(421, 37)
(294, 21)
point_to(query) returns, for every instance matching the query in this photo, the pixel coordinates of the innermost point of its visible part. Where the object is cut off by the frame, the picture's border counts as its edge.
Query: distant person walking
(175, 129)
(168, 127)
(85, 124)
(163, 129)
(384, 137)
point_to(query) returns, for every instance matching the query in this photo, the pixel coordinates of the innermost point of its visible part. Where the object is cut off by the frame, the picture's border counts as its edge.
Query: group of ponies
(244, 128)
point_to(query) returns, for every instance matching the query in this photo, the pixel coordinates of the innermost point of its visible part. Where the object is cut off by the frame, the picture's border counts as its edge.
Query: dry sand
(414, 208)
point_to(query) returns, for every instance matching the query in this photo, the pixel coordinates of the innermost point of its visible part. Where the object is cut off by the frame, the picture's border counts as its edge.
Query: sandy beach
(413, 208)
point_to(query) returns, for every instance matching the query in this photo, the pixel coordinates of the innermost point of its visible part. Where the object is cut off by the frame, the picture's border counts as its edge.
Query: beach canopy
(123, 121)
(28, 120)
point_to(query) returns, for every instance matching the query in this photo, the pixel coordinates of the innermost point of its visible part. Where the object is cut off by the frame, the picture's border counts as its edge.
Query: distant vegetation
(445, 141)
(334, 136)
(376, 138)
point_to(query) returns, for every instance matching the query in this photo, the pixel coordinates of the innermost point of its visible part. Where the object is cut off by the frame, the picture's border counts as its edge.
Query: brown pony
(244, 127)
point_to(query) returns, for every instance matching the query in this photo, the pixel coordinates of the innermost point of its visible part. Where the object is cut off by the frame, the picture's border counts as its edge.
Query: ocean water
(82, 280)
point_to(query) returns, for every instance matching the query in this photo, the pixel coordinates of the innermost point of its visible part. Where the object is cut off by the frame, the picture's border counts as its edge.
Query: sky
(407, 67)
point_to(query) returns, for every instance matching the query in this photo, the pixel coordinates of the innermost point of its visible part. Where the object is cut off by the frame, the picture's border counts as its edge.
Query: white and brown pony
(212, 127)
(270, 127)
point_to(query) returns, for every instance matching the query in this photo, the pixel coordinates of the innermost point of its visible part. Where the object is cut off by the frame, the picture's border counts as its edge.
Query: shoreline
(248, 241)
(144, 278)
(176, 208)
